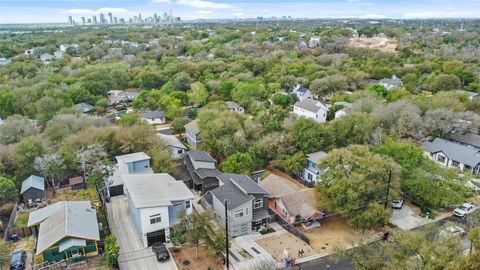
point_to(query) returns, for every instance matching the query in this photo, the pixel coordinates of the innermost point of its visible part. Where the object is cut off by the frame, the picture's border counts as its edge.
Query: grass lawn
(21, 220)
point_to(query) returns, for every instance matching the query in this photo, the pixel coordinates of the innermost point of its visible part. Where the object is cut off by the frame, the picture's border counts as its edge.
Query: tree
(400, 119)
(51, 166)
(90, 158)
(176, 238)
(292, 164)
(25, 153)
(354, 182)
(197, 228)
(439, 122)
(354, 128)
(380, 90)
(241, 163)
(178, 125)
(182, 81)
(329, 84)
(198, 95)
(272, 119)
(310, 136)
(245, 93)
(112, 251)
(129, 119)
(8, 192)
(15, 128)
(445, 82)
(215, 243)
(282, 99)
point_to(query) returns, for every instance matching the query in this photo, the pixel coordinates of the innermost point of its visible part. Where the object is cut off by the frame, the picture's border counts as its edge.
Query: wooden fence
(11, 221)
(292, 229)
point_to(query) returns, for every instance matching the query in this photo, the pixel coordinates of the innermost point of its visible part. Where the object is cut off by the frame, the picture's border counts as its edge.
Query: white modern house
(453, 155)
(155, 203)
(311, 108)
(176, 146)
(153, 117)
(134, 163)
(302, 92)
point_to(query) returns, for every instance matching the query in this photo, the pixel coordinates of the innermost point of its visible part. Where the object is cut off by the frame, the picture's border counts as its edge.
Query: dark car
(19, 259)
(160, 251)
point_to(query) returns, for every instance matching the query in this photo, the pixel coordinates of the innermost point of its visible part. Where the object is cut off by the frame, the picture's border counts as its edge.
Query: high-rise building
(70, 20)
(115, 20)
(89, 21)
(155, 18)
(122, 20)
(83, 20)
(94, 19)
(110, 18)
(102, 18)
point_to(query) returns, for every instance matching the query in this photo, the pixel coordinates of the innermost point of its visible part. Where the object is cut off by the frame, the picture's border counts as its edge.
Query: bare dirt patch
(276, 243)
(334, 233)
(203, 262)
(380, 43)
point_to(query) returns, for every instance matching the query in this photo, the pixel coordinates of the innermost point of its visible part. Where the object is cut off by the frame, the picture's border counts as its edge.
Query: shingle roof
(33, 181)
(230, 192)
(84, 107)
(152, 114)
(311, 105)
(245, 182)
(196, 175)
(74, 219)
(470, 139)
(149, 190)
(197, 155)
(75, 180)
(454, 151)
(172, 140)
(301, 203)
(278, 186)
(232, 105)
(206, 172)
(192, 127)
(317, 156)
(301, 90)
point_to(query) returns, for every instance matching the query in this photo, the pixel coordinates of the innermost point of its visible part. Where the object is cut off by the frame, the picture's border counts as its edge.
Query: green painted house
(67, 230)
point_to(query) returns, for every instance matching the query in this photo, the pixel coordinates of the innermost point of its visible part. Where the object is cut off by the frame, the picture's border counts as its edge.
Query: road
(332, 263)
(132, 253)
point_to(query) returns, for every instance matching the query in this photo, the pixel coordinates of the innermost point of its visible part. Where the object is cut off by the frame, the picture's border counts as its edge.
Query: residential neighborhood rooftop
(470, 138)
(311, 105)
(152, 114)
(317, 156)
(172, 140)
(33, 181)
(132, 157)
(192, 127)
(454, 151)
(149, 190)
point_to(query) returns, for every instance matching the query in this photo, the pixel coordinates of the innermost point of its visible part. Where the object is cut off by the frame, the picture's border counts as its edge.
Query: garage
(156, 236)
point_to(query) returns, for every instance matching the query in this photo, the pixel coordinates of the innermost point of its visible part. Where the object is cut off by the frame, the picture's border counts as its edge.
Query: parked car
(397, 203)
(452, 231)
(464, 210)
(160, 251)
(19, 260)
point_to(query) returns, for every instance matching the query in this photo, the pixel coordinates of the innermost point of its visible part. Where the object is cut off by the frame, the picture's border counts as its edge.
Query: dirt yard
(202, 263)
(334, 233)
(381, 43)
(276, 243)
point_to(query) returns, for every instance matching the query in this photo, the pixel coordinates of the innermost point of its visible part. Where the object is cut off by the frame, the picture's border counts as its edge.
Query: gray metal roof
(259, 214)
(454, 151)
(73, 219)
(311, 105)
(33, 181)
(172, 140)
(152, 114)
(317, 156)
(245, 182)
(192, 127)
(71, 242)
(150, 190)
(470, 139)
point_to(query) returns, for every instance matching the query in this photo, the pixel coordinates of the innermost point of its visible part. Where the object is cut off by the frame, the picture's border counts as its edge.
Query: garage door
(116, 190)
(154, 237)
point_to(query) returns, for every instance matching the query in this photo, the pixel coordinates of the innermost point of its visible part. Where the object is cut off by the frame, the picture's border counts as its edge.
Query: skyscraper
(155, 18)
(94, 19)
(102, 18)
(110, 17)
(70, 20)
(122, 20)
(83, 20)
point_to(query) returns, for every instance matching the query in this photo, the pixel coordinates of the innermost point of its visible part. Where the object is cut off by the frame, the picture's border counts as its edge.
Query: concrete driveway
(132, 253)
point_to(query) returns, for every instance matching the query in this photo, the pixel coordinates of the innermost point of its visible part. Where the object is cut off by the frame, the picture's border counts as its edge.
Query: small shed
(33, 189)
(77, 183)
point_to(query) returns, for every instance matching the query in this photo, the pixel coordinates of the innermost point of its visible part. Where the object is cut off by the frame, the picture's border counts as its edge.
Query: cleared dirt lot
(333, 233)
(276, 243)
(203, 262)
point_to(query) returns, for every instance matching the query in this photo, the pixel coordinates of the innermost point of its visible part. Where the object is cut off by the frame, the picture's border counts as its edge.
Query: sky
(45, 11)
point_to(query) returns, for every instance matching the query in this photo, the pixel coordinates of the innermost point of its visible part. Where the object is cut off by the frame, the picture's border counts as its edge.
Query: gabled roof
(470, 138)
(245, 182)
(454, 151)
(311, 105)
(152, 114)
(84, 107)
(317, 156)
(233, 193)
(197, 155)
(301, 203)
(192, 127)
(300, 90)
(277, 186)
(151, 190)
(172, 140)
(73, 219)
(33, 181)
(232, 105)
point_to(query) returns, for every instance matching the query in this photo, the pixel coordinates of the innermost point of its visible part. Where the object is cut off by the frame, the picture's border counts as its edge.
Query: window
(244, 229)
(258, 203)
(180, 151)
(239, 213)
(455, 163)
(155, 219)
(310, 177)
(441, 158)
(258, 222)
(187, 204)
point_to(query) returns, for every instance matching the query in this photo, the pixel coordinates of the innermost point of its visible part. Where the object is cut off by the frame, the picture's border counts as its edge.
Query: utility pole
(226, 236)
(388, 188)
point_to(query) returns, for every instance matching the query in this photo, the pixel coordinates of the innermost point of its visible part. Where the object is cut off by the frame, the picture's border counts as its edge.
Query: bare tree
(90, 158)
(51, 166)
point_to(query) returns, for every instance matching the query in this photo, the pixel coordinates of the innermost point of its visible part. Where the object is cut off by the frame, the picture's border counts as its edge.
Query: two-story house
(311, 108)
(302, 92)
(202, 169)
(156, 203)
(192, 132)
(176, 146)
(453, 155)
(247, 203)
(312, 171)
(135, 163)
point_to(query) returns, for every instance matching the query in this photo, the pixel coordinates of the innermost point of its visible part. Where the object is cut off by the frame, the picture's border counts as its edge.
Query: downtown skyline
(49, 11)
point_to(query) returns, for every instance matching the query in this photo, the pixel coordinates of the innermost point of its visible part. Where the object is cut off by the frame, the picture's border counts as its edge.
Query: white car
(397, 203)
(464, 209)
(452, 231)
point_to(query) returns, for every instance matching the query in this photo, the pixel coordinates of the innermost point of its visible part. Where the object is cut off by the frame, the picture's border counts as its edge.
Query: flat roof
(133, 157)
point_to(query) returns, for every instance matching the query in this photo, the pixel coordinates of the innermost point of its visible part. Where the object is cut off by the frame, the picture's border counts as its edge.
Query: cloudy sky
(40, 11)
